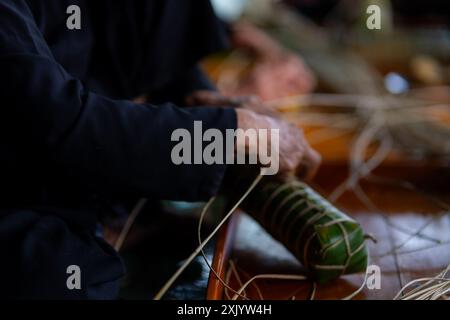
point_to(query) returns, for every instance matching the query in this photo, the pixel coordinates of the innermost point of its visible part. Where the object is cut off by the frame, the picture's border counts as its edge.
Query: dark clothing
(39, 246)
(71, 140)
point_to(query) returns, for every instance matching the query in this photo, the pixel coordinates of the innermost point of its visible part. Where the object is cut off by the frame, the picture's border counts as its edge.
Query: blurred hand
(276, 78)
(296, 157)
(276, 73)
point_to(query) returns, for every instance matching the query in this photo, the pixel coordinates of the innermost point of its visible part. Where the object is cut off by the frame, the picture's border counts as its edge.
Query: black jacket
(67, 127)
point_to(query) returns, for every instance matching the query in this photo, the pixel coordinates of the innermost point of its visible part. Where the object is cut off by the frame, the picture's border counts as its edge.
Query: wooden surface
(412, 232)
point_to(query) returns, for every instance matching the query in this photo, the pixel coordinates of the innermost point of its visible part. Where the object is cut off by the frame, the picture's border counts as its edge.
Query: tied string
(129, 223)
(434, 288)
(200, 248)
(314, 210)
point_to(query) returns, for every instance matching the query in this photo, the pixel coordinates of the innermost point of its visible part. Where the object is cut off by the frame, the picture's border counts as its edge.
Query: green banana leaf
(325, 240)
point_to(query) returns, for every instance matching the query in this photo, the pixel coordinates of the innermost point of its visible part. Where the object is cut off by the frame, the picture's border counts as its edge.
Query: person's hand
(276, 77)
(296, 157)
(295, 154)
(276, 73)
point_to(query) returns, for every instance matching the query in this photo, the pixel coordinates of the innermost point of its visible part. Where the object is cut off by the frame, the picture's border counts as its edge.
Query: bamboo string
(197, 251)
(269, 276)
(295, 103)
(227, 280)
(418, 233)
(233, 270)
(443, 243)
(313, 291)
(412, 236)
(365, 169)
(434, 288)
(364, 198)
(202, 252)
(296, 278)
(237, 276)
(129, 223)
(255, 285)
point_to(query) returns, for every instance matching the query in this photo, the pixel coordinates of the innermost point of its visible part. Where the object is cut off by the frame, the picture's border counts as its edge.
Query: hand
(276, 73)
(295, 154)
(276, 77)
(296, 157)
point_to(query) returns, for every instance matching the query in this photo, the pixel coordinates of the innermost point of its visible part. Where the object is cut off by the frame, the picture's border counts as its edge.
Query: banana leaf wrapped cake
(325, 240)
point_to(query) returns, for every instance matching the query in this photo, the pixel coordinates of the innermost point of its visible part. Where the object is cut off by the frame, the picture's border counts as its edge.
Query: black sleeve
(105, 144)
